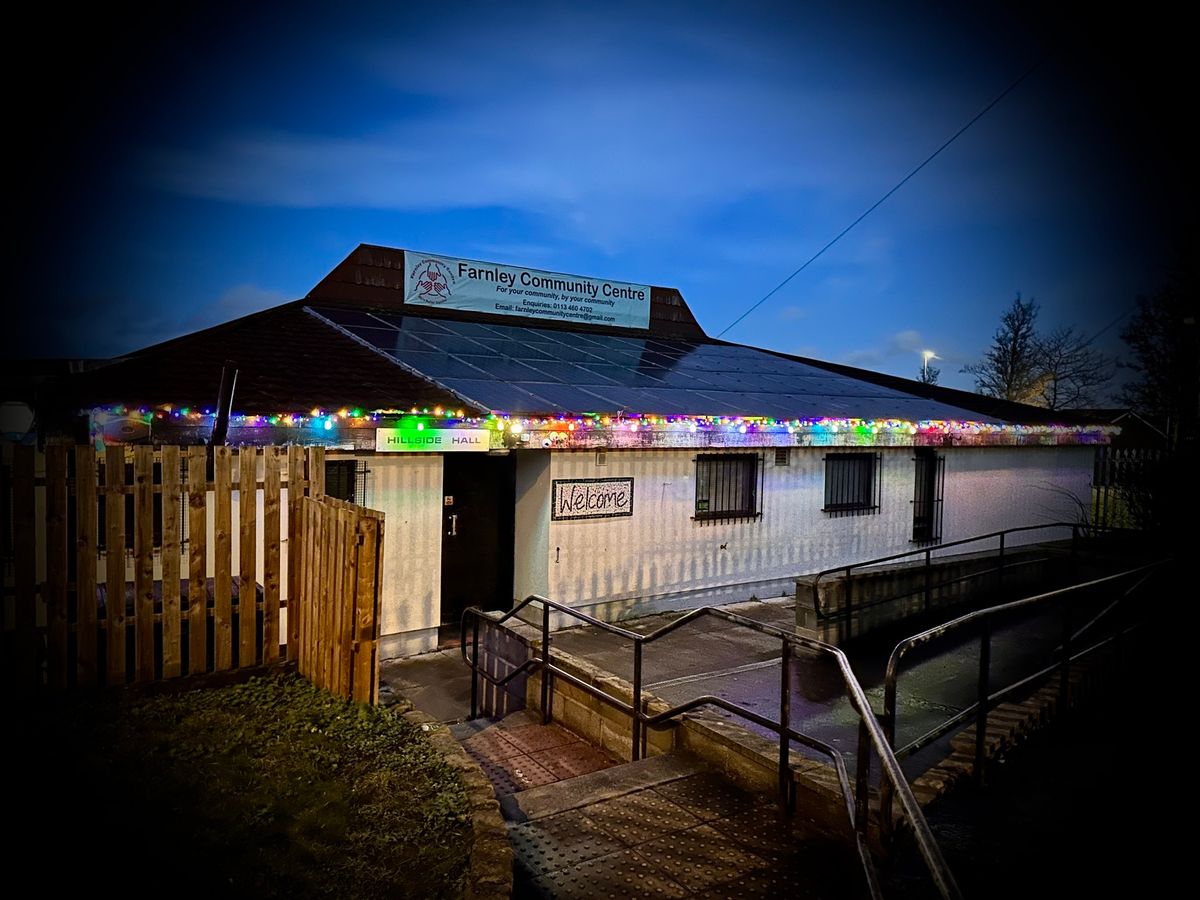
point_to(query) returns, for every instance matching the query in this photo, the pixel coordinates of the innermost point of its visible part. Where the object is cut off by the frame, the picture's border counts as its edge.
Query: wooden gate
(338, 578)
(139, 563)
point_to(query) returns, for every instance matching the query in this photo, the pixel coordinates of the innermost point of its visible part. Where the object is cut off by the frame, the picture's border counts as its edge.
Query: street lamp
(926, 356)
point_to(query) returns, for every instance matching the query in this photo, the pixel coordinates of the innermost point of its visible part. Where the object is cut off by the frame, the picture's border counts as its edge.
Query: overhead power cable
(932, 156)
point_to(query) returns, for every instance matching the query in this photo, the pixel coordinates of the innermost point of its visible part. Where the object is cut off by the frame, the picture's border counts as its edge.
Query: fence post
(928, 564)
(546, 708)
(785, 724)
(862, 793)
(1000, 567)
(848, 606)
(982, 692)
(1064, 680)
(474, 666)
(636, 724)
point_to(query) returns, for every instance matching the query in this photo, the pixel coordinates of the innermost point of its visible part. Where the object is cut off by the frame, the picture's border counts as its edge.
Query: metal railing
(870, 735)
(987, 697)
(926, 554)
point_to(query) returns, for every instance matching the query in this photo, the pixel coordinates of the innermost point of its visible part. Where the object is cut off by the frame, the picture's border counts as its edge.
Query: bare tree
(929, 374)
(1164, 337)
(1072, 373)
(1010, 369)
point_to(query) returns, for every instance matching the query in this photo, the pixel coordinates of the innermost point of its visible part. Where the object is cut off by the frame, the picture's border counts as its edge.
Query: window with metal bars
(728, 486)
(928, 486)
(346, 479)
(852, 484)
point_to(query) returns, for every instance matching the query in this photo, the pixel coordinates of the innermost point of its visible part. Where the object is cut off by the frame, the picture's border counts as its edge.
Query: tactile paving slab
(639, 817)
(625, 874)
(707, 796)
(532, 738)
(559, 842)
(491, 745)
(575, 759)
(700, 857)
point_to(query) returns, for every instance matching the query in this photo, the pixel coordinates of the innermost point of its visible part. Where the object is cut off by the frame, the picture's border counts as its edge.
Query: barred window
(346, 479)
(727, 486)
(852, 484)
(928, 488)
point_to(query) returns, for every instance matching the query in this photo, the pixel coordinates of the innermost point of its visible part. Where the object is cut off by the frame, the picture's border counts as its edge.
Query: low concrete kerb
(490, 870)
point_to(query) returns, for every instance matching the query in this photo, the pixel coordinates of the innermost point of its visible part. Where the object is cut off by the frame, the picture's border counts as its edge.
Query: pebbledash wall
(661, 558)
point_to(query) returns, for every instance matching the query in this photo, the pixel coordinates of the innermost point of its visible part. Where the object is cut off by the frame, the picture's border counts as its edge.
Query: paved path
(582, 826)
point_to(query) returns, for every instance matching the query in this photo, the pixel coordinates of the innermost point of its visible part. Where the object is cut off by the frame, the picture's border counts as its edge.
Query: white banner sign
(503, 290)
(431, 440)
(591, 498)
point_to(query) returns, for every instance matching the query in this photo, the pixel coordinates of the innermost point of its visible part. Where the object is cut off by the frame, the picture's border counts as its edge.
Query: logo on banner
(433, 281)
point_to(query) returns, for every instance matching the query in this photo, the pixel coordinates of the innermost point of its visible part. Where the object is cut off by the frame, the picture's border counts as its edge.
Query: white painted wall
(991, 488)
(660, 549)
(531, 556)
(407, 489)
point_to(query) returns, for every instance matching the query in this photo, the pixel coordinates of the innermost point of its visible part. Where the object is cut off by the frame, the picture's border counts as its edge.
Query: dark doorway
(478, 497)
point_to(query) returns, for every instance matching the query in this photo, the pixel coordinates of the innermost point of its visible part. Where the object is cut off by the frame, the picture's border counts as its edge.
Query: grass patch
(267, 788)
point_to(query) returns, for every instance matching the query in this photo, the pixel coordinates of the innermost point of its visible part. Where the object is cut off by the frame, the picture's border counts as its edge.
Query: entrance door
(477, 533)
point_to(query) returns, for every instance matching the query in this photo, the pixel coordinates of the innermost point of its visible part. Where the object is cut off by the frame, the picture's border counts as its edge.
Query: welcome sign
(473, 286)
(591, 498)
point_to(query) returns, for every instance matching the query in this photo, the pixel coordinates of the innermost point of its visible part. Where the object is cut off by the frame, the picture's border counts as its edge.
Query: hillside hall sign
(465, 284)
(432, 440)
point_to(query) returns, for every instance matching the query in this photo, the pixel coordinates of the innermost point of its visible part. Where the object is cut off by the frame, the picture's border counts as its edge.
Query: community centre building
(531, 432)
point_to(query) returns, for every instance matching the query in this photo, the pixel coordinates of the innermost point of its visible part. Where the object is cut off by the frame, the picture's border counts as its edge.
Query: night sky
(175, 171)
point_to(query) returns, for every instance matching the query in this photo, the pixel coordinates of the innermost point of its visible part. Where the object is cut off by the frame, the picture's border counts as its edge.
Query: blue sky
(205, 167)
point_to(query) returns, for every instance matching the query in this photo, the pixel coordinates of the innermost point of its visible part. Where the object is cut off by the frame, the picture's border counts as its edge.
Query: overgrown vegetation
(268, 788)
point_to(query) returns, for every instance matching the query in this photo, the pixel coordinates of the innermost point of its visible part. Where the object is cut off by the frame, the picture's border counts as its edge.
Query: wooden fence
(338, 586)
(113, 559)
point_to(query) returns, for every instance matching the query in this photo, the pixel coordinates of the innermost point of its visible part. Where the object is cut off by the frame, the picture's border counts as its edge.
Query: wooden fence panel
(85, 566)
(271, 579)
(129, 509)
(295, 546)
(197, 560)
(114, 561)
(248, 553)
(339, 591)
(55, 592)
(143, 554)
(223, 572)
(24, 517)
(365, 679)
(172, 657)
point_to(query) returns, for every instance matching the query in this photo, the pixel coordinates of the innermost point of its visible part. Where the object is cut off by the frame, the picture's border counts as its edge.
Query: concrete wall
(407, 489)
(661, 549)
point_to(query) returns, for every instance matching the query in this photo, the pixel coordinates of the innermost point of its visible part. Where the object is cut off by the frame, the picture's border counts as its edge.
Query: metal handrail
(927, 552)
(870, 733)
(987, 698)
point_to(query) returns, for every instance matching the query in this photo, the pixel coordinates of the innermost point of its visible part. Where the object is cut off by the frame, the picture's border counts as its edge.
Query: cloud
(792, 313)
(602, 130)
(906, 342)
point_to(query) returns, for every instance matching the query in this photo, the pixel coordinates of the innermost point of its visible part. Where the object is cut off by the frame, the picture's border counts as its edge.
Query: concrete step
(584, 790)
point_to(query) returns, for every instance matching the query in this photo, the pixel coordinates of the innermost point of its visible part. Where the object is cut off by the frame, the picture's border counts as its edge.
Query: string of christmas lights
(861, 430)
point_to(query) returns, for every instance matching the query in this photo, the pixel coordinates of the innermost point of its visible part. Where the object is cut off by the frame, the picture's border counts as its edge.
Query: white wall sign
(431, 440)
(591, 498)
(504, 290)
